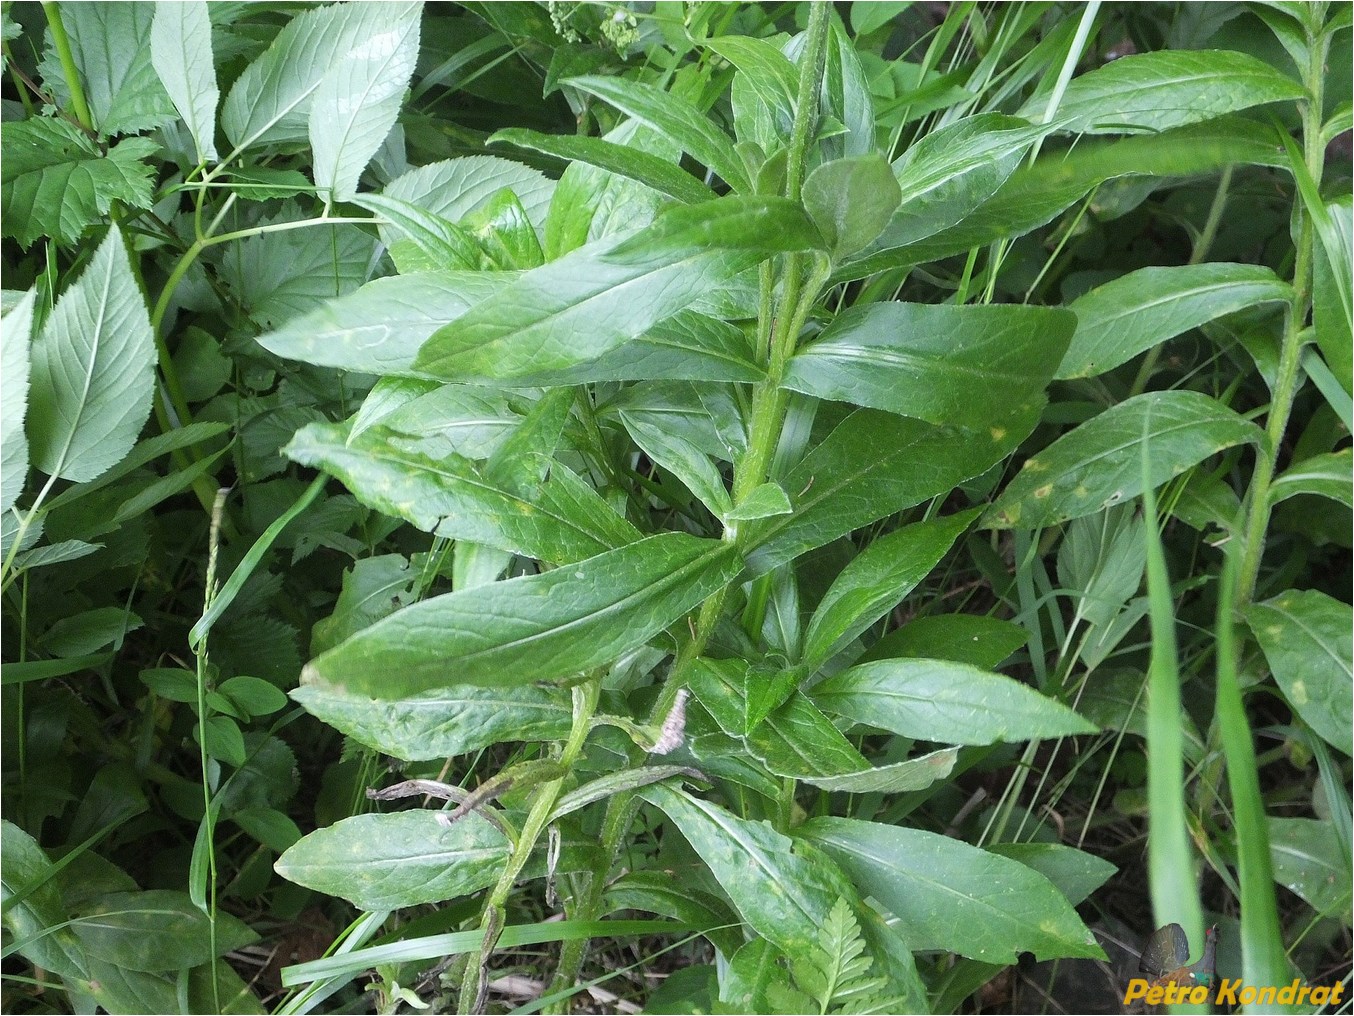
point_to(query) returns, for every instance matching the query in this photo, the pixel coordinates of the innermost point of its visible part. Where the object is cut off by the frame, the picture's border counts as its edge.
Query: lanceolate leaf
(1305, 635)
(875, 581)
(590, 301)
(952, 896)
(181, 52)
(93, 370)
(937, 700)
(1120, 319)
(1165, 89)
(379, 328)
(359, 97)
(959, 365)
(381, 862)
(1100, 463)
(536, 628)
(452, 496)
(674, 117)
(1327, 475)
(872, 465)
(15, 334)
(442, 723)
(662, 176)
(782, 896)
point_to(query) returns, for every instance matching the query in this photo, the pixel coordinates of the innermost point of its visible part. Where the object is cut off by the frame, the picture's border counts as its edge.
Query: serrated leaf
(952, 896)
(966, 366)
(575, 309)
(93, 370)
(1122, 318)
(1100, 463)
(874, 583)
(57, 182)
(181, 53)
(111, 46)
(359, 97)
(1305, 636)
(525, 629)
(1165, 89)
(381, 862)
(452, 496)
(271, 101)
(15, 338)
(872, 465)
(937, 700)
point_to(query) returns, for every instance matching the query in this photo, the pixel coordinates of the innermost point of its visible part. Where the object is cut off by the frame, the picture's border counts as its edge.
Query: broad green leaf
(452, 496)
(270, 102)
(442, 245)
(937, 700)
(80, 634)
(253, 695)
(359, 97)
(1076, 873)
(155, 930)
(441, 723)
(981, 642)
(875, 582)
(1035, 195)
(1165, 89)
(280, 275)
(688, 346)
(1328, 475)
(952, 896)
(850, 201)
(1100, 463)
(469, 420)
(798, 742)
(634, 163)
(57, 182)
(872, 465)
(867, 16)
(952, 171)
(35, 921)
(575, 309)
(111, 46)
(55, 553)
(845, 95)
(15, 338)
(1101, 563)
(783, 897)
(657, 892)
(671, 115)
(762, 502)
(372, 588)
(181, 53)
(456, 188)
(535, 628)
(1307, 861)
(958, 365)
(379, 328)
(1305, 636)
(92, 371)
(404, 859)
(1120, 319)
(1331, 289)
(685, 461)
(708, 416)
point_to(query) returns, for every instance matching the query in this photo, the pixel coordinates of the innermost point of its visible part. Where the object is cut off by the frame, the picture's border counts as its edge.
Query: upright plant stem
(71, 73)
(804, 275)
(1286, 381)
(474, 979)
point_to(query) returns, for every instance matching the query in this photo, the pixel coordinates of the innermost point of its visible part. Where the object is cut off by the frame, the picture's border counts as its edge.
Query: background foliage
(706, 507)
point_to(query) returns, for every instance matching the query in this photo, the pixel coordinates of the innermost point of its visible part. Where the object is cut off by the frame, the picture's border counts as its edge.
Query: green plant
(682, 534)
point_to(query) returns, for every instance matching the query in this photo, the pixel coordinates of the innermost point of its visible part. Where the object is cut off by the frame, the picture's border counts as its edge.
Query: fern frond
(836, 971)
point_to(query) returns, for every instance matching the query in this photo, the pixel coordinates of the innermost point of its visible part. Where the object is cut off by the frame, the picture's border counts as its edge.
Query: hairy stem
(1257, 510)
(476, 971)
